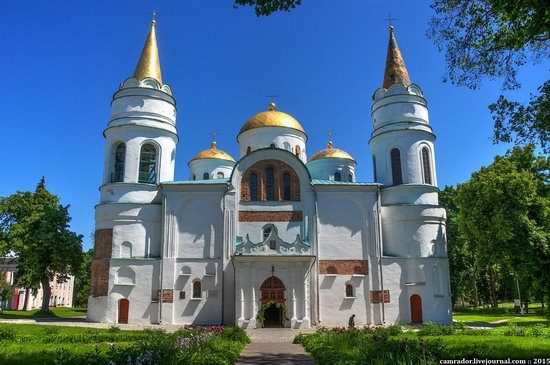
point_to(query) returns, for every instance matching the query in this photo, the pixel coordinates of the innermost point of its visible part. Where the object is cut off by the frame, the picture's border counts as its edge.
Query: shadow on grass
(54, 314)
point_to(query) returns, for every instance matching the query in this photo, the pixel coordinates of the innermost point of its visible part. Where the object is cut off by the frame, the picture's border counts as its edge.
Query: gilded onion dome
(331, 152)
(213, 153)
(271, 118)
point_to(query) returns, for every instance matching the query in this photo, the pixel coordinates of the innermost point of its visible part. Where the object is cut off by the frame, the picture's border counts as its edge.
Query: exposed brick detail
(295, 216)
(344, 267)
(100, 277)
(168, 295)
(376, 296)
(279, 168)
(103, 243)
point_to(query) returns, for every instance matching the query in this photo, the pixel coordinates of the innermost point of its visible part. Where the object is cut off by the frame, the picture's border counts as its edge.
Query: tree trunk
(474, 283)
(492, 282)
(542, 300)
(26, 301)
(46, 294)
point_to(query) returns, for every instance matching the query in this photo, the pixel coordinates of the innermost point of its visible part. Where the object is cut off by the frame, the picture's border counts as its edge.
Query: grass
(43, 344)
(504, 314)
(55, 312)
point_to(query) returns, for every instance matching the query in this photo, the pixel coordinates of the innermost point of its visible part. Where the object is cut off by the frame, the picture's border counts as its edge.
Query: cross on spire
(154, 15)
(389, 19)
(272, 97)
(329, 144)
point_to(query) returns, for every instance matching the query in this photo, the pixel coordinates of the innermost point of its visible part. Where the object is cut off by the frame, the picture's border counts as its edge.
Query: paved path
(274, 346)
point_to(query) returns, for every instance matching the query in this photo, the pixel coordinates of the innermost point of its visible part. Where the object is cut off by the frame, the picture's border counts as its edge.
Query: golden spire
(149, 62)
(396, 72)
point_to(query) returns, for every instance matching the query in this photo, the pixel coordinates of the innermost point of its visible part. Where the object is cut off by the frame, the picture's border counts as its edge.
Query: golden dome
(271, 118)
(213, 152)
(331, 152)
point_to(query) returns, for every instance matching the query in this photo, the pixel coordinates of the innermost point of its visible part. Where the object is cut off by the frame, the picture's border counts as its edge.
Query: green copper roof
(332, 182)
(197, 182)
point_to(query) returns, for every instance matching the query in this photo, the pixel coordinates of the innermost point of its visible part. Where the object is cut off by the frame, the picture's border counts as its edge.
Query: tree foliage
(82, 281)
(35, 227)
(492, 39)
(267, 7)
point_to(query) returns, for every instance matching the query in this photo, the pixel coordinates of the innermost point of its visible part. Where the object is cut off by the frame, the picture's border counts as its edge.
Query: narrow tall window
(270, 183)
(248, 150)
(350, 178)
(396, 167)
(148, 164)
(349, 291)
(298, 151)
(374, 168)
(197, 290)
(120, 155)
(426, 165)
(267, 231)
(253, 187)
(220, 175)
(337, 176)
(205, 176)
(286, 186)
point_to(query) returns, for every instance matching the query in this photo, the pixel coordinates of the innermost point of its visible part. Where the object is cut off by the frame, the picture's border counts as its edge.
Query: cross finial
(214, 143)
(389, 19)
(154, 15)
(272, 97)
(329, 144)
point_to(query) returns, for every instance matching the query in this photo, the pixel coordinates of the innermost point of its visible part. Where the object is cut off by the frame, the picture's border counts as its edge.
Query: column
(306, 297)
(293, 288)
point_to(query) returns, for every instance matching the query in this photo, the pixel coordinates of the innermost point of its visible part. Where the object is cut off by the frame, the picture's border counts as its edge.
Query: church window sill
(350, 297)
(331, 275)
(125, 284)
(199, 299)
(358, 275)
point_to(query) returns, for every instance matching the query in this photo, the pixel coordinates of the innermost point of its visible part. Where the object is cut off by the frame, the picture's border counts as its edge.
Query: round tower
(332, 164)
(141, 136)
(212, 163)
(402, 145)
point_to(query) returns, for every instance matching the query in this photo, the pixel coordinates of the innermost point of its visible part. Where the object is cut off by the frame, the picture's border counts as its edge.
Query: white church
(272, 238)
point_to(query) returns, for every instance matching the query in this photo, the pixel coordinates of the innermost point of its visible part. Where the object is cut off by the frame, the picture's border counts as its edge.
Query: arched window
(253, 187)
(286, 146)
(126, 249)
(248, 150)
(267, 231)
(426, 165)
(396, 166)
(337, 176)
(120, 155)
(220, 175)
(374, 168)
(272, 145)
(194, 177)
(197, 289)
(205, 176)
(298, 151)
(349, 291)
(148, 164)
(270, 183)
(286, 186)
(350, 178)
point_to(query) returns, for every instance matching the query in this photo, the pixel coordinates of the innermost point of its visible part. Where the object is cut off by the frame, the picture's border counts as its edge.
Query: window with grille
(148, 164)
(426, 165)
(197, 289)
(349, 291)
(396, 166)
(286, 186)
(337, 176)
(374, 168)
(205, 176)
(120, 155)
(253, 187)
(270, 183)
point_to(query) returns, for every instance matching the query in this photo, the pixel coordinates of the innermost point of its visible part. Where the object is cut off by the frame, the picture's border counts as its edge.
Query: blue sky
(62, 61)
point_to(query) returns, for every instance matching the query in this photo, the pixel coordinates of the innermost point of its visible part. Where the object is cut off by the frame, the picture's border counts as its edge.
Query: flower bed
(63, 345)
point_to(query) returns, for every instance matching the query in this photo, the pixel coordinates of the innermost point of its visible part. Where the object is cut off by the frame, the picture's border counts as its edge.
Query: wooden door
(416, 308)
(123, 308)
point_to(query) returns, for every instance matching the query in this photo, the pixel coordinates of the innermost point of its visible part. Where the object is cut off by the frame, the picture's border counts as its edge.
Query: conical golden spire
(149, 62)
(396, 72)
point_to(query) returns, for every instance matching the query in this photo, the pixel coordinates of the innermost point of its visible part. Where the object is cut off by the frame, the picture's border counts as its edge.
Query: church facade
(272, 238)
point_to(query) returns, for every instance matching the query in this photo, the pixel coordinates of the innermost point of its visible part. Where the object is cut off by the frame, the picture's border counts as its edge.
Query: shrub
(432, 329)
(114, 328)
(51, 330)
(513, 329)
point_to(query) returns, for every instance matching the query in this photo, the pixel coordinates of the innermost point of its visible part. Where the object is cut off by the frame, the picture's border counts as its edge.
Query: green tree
(505, 209)
(492, 39)
(266, 7)
(82, 281)
(35, 227)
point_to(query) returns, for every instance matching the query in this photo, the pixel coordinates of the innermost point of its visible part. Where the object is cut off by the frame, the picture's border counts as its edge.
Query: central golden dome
(331, 152)
(213, 152)
(271, 118)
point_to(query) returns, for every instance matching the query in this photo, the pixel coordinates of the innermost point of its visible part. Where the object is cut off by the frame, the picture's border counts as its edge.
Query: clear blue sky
(62, 61)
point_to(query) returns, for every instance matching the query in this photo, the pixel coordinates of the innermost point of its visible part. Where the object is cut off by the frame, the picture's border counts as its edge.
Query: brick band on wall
(344, 267)
(103, 247)
(168, 295)
(294, 216)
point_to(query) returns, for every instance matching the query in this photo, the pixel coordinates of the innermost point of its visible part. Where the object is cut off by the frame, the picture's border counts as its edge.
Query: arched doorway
(273, 289)
(416, 308)
(123, 308)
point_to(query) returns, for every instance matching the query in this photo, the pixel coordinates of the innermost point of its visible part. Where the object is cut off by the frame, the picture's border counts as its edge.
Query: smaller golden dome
(331, 152)
(271, 118)
(214, 153)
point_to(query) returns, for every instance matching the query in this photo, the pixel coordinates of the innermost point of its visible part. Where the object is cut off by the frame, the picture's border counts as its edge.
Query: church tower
(413, 224)
(140, 151)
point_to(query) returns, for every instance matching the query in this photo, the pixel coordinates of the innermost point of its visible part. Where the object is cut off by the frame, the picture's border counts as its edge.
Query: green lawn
(42, 344)
(55, 312)
(504, 314)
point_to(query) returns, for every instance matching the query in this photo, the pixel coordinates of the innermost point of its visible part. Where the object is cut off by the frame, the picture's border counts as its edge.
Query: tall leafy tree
(505, 209)
(492, 39)
(35, 227)
(82, 281)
